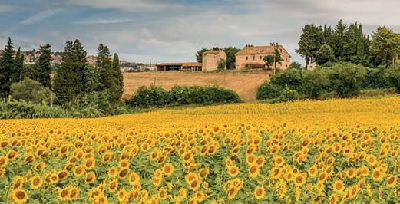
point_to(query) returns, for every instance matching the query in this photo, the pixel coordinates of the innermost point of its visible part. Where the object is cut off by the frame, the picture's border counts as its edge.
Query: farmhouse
(211, 59)
(252, 57)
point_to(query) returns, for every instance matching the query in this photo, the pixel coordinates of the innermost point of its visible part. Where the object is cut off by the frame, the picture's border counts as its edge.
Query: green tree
(347, 79)
(393, 77)
(295, 65)
(315, 83)
(18, 66)
(324, 54)
(221, 65)
(385, 45)
(269, 61)
(118, 88)
(199, 54)
(7, 67)
(311, 39)
(90, 79)
(68, 83)
(231, 57)
(31, 91)
(42, 68)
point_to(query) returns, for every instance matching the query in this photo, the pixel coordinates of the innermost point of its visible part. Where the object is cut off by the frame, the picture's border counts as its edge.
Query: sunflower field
(335, 151)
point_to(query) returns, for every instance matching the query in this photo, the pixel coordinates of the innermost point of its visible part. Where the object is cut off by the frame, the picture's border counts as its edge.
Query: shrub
(346, 79)
(23, 109)
(152, 96)
(292, 78)
(288, 94)
(315, 83)
(375, 79)
(33, 91)
(268, 90)
(392, 75)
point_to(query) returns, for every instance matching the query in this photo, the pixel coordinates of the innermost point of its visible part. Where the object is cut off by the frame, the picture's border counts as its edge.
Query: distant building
(398, 57)
(211, 59)
(252, 57)
(179, 66)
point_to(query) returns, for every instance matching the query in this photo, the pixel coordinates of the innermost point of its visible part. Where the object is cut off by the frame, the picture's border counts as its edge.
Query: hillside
(245, 84)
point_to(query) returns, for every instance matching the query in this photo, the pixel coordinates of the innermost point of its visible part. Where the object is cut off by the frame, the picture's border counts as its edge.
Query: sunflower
(12, 155)
(3, 161)
(338, 186)
(162, 194)
(233, 171)
(134, 178)
(107, 157)
(260, 161)
(123, 196)
(377, 174)
(19, 195)
(73, 192)
(89, 163)
(101, 199)
(259, 192)
(123, 173)
(63, 194)
(112, 172)
(124, 163)
(18, 182)
(279, 161)
(371, 159)
(320, 186)
(63, 174)
(391, 181)
(154, 154)
(113, 186)
(168, 169)
(36, 182)
(351, 173)
(193, 181)
(156, 180)
(300, 179)
(254, 171)
(204, 172)
(78, 171)
(313, 171)
(182, 193)
(232, 192)
(250, 158)
(90, 177)
(69, 166)
(40, 166)
(28, 159)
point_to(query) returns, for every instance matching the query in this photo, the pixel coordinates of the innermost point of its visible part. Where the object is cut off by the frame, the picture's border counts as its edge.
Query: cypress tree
(42, 67)
(69, 79)
(6, 69)
(119, 79)
(18, 66)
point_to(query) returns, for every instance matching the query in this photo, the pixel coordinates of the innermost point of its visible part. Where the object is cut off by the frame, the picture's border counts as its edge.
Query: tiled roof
(259, 50)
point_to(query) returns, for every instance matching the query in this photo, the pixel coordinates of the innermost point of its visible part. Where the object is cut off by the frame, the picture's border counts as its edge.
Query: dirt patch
(245, 84)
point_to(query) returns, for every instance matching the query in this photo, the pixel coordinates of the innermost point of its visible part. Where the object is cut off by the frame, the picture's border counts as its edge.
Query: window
(398, 57)
(260, 57)
(254, 57)
(247, 58)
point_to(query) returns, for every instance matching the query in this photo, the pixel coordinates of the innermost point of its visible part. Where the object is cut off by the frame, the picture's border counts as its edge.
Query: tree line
(74, 84)
(348, 43)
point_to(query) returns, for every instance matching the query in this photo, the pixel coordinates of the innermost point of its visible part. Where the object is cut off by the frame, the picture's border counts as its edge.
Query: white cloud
(40, 16)
(105, 21)
(128, 5)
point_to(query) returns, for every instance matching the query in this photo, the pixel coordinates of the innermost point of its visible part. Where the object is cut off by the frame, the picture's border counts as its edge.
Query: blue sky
(173, 30)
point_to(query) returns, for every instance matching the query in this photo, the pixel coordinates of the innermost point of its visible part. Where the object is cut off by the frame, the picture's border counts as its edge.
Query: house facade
(211, 59)
(253, 57)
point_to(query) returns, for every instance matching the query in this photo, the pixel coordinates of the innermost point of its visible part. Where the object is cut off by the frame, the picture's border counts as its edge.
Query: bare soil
(245, 84)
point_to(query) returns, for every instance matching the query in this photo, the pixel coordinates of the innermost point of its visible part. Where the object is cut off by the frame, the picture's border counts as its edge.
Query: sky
(156, 31)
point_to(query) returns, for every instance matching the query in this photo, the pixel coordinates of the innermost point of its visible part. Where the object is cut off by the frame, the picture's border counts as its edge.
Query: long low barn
(184, 66)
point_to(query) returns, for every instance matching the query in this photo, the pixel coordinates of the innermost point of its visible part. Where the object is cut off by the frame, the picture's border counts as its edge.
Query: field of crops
(336, 151)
